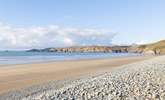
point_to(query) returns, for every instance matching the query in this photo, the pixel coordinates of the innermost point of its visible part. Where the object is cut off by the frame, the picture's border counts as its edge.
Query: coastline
(134, 81)
(26, 75)
(23, 58)
(74, 59)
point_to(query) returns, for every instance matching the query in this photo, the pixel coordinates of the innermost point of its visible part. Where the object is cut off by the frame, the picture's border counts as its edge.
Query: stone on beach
(144, 80)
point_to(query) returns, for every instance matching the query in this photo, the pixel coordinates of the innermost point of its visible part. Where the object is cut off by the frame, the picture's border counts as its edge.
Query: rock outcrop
(116, 49)
(149, 52)
(153, 49)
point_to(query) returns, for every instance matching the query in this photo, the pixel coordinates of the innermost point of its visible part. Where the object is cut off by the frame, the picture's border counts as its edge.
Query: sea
(22, 57)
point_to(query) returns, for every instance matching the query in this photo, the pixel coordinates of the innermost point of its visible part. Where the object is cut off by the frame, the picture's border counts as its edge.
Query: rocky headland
(154, 49)
(84, 49)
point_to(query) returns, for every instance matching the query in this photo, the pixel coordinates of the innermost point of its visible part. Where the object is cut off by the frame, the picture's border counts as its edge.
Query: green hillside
(157, 48)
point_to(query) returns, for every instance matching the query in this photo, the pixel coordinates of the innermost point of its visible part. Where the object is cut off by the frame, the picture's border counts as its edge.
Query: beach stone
(144, 80)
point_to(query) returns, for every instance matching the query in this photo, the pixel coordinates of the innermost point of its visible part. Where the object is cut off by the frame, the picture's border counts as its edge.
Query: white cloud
(50, 36)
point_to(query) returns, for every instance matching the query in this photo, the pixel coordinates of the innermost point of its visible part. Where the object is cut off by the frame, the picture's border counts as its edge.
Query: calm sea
(17, 57)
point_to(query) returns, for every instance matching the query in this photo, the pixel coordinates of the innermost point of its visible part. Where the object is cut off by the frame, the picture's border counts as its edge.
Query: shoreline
(72, 59)
(26, 75)
(136, 81)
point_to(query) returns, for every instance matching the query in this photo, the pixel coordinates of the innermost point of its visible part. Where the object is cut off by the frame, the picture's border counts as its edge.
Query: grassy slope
(158, 46)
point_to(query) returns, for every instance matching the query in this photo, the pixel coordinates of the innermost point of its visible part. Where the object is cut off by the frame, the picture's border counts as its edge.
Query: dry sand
(14, 77)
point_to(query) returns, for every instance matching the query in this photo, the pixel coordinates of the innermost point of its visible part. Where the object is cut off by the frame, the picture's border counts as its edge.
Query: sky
(28, 24)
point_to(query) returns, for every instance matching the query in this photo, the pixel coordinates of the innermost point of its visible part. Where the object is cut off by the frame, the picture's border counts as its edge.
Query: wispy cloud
(51, 36)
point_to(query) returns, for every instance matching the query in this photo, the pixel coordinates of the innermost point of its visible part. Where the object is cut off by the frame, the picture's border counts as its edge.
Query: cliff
(115, 49)
(154, 48)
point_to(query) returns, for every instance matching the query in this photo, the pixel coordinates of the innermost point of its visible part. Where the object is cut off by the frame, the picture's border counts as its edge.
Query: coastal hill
(157, 48)
(83, 49)
(154, 48)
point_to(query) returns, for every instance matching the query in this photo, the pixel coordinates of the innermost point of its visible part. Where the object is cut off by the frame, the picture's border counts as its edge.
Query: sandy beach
(143, 80)
(13, 77)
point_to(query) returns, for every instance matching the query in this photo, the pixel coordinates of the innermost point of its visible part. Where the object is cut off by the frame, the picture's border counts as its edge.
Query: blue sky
(44, 23)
